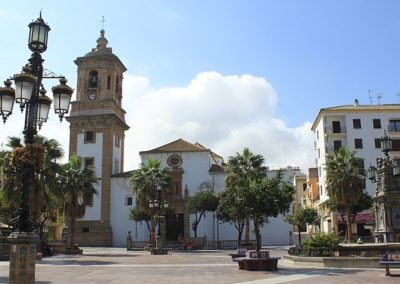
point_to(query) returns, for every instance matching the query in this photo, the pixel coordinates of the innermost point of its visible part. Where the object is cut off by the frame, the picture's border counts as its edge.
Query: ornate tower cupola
(97, 131)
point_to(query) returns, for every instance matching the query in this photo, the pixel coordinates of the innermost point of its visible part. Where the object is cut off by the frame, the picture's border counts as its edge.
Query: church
(97, 134)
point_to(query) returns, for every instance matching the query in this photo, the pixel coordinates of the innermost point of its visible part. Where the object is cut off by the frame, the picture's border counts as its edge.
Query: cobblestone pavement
(116, 265)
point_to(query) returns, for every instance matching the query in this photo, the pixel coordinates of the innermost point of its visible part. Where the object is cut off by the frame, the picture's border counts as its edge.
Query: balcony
(329, 130)
(394, 127)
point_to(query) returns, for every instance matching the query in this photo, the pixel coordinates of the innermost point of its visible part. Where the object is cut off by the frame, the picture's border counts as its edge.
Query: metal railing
(205, 245)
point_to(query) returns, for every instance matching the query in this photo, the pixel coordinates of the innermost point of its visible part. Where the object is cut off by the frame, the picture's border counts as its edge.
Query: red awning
(360, 218)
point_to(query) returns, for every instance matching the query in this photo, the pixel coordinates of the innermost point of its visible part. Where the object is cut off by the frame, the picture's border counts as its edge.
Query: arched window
(93, 79)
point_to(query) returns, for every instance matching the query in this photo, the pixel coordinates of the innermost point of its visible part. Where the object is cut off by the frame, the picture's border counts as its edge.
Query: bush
(321, 241)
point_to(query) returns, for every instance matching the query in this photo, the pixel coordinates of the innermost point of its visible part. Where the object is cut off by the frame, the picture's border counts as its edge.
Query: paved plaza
(116, 265)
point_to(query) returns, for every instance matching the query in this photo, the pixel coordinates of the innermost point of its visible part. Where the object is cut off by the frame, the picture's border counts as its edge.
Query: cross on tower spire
(102, 23)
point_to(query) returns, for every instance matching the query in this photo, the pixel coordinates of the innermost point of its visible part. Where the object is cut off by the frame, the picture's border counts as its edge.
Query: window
(377, 143)
(89, 137)
(395, 144)
(117, 141)
(319, 153)
(376, 123)
(108, 82)
(358, 143)
(88, 162)
(93, 79)
(117, 87)
(336, 126)
(85, 230)
(129, 200)
(317, 134)
(357, 123)
(337, 144)
(394, 125)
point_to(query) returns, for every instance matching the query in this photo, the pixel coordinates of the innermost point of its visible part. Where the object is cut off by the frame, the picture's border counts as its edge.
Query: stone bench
(257, 264)
(389, 259)
(158, 251)
(257, 260)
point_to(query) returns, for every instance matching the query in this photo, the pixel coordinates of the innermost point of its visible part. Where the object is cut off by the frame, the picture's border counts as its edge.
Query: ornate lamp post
(158, 205)
(387, 195)
(29, 93)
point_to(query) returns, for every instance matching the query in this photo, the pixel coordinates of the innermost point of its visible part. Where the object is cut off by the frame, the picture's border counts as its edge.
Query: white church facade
(97, 131)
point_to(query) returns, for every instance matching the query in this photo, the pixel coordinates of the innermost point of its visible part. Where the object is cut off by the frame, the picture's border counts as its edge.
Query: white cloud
(224, 113)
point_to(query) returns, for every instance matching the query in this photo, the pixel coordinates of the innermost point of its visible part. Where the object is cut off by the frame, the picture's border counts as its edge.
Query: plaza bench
(388, 259)
(257, 261)
(240, 252)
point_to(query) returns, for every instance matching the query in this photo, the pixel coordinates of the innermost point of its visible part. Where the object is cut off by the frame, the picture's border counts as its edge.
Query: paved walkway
(116, 265)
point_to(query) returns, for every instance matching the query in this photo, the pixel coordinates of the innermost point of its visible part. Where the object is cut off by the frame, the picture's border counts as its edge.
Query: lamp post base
(159, 242)
(22, 257)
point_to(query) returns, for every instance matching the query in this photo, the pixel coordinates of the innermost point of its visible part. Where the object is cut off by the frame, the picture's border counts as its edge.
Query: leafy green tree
(201, 203)
(244, 169)
(345, 181)
(139, 215)
(231, 210)
(301, 217)
(267, 198)
(144, 183)
(77, 186)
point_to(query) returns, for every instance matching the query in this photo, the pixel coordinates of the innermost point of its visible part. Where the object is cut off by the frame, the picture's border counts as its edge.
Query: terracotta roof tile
(179, 145)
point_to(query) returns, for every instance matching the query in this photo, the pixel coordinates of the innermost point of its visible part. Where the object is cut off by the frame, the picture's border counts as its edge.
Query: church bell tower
(97, 131)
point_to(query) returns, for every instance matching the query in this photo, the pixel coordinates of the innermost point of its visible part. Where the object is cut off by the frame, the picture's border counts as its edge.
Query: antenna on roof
(379, 96)
(370, 97)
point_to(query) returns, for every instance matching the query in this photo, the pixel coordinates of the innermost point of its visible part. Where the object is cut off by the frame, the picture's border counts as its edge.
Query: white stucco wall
(94, 150)
(120, 222)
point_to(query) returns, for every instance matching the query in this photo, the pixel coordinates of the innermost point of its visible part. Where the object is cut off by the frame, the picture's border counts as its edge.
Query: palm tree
(77, 185)
(144, 184)
(345, 178)
(242, 170)
(45, 198)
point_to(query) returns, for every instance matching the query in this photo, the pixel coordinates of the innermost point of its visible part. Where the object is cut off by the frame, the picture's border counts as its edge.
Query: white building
(97, 131)
(356, 127)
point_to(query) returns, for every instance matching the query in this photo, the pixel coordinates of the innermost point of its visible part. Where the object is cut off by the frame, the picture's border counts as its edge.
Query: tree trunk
(152, 233)
(348, 223)
(247, 231)
(257, 233)
(298, 228)
(72, 231)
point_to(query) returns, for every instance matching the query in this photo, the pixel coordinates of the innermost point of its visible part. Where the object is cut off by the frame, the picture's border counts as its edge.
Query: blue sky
(287, 58)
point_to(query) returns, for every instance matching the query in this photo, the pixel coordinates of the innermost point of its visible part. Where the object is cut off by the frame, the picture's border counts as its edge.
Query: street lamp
(158, 205)
(31, 96)
(387, 194)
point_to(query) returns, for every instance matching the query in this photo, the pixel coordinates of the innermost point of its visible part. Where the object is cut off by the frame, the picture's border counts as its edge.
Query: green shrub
(322, 240)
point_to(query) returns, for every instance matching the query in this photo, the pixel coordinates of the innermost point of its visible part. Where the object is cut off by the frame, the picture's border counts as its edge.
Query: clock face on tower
(92, 96)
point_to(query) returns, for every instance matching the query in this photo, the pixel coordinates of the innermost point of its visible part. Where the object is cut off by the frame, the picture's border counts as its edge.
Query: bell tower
(97, 132)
